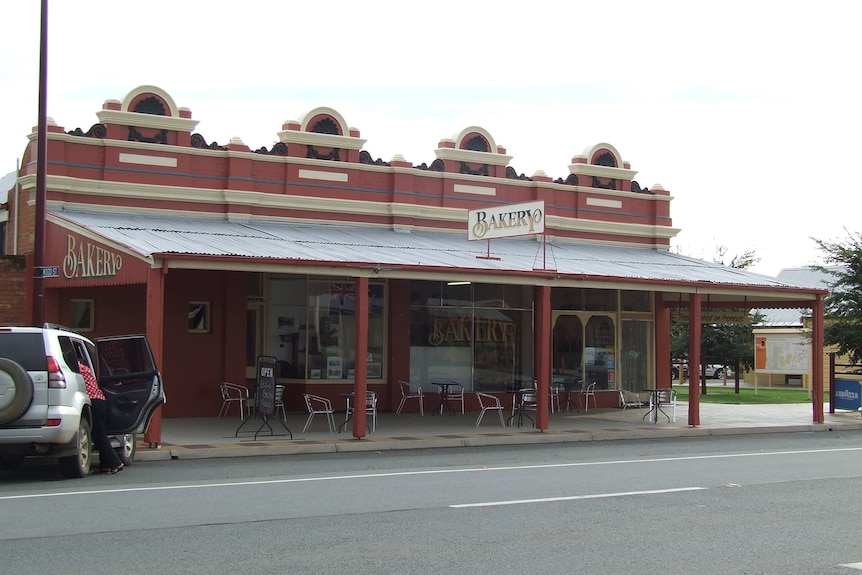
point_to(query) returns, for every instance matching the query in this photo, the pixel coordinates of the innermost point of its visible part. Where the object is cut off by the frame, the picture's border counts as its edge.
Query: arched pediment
(314, 117)
(466, 139)
(138, 97)
(595, 153)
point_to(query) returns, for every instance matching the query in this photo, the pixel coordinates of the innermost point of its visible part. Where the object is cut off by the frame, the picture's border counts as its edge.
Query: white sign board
(781, 353)
(506, 221)
(713, 316)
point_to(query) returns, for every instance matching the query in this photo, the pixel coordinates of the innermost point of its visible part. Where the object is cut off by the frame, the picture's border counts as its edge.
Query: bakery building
(355, 273)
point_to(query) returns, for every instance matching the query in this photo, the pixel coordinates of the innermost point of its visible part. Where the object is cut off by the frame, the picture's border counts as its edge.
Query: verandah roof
(159, 236)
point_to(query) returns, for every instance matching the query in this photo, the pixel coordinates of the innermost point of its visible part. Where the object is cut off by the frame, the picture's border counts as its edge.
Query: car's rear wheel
(16, 390)
(719, 373)
(127, 448)
(78, 465)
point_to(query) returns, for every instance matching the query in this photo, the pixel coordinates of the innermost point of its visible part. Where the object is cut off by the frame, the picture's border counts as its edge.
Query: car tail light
(54, 422)
(56, 379)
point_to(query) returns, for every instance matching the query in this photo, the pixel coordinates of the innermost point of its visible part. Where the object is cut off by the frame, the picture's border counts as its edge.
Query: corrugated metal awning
(158, 237)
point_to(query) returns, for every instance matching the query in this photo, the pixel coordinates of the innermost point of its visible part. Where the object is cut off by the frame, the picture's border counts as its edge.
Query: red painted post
(360, 361)
(694, 328)
(155, 328)
(817, 353)
(542, 346)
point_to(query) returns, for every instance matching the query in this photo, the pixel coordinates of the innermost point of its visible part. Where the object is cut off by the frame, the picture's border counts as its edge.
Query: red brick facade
(13, 286)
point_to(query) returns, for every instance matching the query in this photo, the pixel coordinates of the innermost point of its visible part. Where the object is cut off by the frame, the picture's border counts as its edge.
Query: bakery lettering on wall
(88, 261)
(465, 329)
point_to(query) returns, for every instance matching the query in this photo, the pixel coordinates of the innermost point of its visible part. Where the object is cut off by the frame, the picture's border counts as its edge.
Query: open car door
(130, 381)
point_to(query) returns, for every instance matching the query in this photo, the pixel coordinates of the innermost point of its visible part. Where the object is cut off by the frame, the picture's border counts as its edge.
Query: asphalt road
(779, 503)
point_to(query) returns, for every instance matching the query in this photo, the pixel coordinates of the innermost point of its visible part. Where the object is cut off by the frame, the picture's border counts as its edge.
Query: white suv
(44, 407)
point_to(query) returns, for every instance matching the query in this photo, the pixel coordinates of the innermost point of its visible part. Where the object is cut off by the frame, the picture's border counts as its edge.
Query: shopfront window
(597, 346)
(583, 347)
(484, 344)
(599, 352)
(568, 350)
(312, 328)
(635, 357)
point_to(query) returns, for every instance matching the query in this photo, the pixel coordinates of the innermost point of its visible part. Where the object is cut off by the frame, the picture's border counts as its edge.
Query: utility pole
(41, 174)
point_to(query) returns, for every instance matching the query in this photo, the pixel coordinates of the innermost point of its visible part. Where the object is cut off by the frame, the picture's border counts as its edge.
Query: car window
(70, 357)
(91, 352)
(125, 355)
(81, 354)
(27, 349)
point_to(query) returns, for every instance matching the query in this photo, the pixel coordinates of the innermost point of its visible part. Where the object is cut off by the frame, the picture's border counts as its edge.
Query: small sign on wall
(333, 368)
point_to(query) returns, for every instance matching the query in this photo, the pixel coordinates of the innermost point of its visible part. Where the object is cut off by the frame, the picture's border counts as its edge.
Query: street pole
(41, 174)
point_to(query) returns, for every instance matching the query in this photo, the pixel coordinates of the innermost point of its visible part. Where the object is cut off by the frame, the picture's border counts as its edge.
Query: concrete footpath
(197, 438)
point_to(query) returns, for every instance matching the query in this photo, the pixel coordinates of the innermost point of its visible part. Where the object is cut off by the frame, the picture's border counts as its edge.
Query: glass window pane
(502, 349)
(635, 300)
(440, 346)
(635, 358)
(567, 299)
(286, 338)
(600, 300)
(599, 358)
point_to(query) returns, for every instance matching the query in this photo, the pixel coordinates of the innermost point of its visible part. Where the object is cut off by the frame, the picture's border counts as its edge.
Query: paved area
(190, 438)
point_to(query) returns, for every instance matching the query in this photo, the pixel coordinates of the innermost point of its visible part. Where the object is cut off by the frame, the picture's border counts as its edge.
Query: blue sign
(848, 394)
(47, 271)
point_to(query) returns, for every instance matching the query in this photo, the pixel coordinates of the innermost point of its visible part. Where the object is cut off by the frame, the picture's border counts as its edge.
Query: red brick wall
(13, 287)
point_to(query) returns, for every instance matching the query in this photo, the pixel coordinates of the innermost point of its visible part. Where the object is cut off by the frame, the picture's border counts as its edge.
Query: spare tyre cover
(16, 391)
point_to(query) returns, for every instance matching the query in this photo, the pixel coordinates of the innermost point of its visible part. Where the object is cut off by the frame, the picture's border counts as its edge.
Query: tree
(725, 344)
(842, 306)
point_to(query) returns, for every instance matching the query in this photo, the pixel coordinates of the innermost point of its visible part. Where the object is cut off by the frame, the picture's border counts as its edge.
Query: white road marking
(481, 469)
(852, 565)
(574, 497)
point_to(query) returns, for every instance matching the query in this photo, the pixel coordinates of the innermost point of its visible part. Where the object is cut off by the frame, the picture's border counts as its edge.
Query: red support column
(360, 361)
(155, 322)
(694, 318)
(662, 343)
(542, 349)
(817, 358)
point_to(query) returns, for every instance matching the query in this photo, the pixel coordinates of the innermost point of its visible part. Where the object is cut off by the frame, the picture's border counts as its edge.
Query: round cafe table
(444, 396)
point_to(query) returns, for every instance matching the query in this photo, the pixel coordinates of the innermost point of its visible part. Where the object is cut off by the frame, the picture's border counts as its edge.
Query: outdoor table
(655, 405)
(347, 413)
(572, 390)
(444, 395)
(519, 406)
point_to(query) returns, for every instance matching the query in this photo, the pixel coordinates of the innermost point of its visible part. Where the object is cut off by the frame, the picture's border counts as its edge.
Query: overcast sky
(748, 112)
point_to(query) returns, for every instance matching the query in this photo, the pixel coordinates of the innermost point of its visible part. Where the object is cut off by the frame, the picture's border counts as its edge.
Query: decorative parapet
(324, 132)
(147, 107)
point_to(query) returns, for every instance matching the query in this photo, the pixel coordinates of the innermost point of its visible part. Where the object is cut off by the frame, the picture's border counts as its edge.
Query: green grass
(746, 395)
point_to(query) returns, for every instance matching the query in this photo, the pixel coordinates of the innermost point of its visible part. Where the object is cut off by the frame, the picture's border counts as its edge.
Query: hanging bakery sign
(506, 221)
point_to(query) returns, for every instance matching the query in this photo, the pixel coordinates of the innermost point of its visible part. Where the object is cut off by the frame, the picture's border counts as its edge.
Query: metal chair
(588, 392)
(410, 392)
(530, 402)
(319, 405)
(232, 393)
(630, 399)
(455, 393)
(279, 402)
(489, 403)
(666, 398)
(555, 397)
(370, 408)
